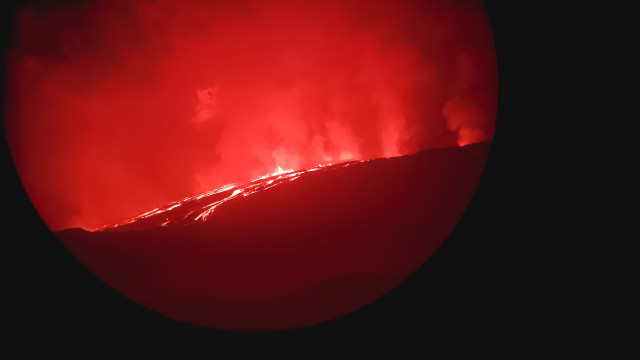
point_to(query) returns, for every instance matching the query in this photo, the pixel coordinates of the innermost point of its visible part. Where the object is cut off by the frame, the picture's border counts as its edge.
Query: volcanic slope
(288, 250)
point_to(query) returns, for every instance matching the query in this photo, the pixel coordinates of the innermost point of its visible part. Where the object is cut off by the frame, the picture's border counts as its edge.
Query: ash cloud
(120, 106)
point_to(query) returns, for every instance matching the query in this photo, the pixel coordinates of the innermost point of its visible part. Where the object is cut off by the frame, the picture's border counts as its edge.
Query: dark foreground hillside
(295, 254)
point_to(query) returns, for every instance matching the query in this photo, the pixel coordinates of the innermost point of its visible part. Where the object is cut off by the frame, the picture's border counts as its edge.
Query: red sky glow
(118, 107)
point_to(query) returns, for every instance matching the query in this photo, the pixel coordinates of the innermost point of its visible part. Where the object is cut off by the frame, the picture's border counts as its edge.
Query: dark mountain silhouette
(301, 247)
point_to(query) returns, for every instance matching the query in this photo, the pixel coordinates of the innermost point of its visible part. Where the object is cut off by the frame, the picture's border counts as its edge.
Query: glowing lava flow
(200, 207)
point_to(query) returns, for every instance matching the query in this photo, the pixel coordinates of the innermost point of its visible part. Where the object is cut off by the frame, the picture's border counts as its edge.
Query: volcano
(288, 250)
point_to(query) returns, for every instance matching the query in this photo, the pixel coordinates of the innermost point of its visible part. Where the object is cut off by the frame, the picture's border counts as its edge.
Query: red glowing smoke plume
(116, 107)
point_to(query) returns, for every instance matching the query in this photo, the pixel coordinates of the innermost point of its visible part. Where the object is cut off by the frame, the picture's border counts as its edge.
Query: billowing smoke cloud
(468, 120)
(207, 104)
(120, 106)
